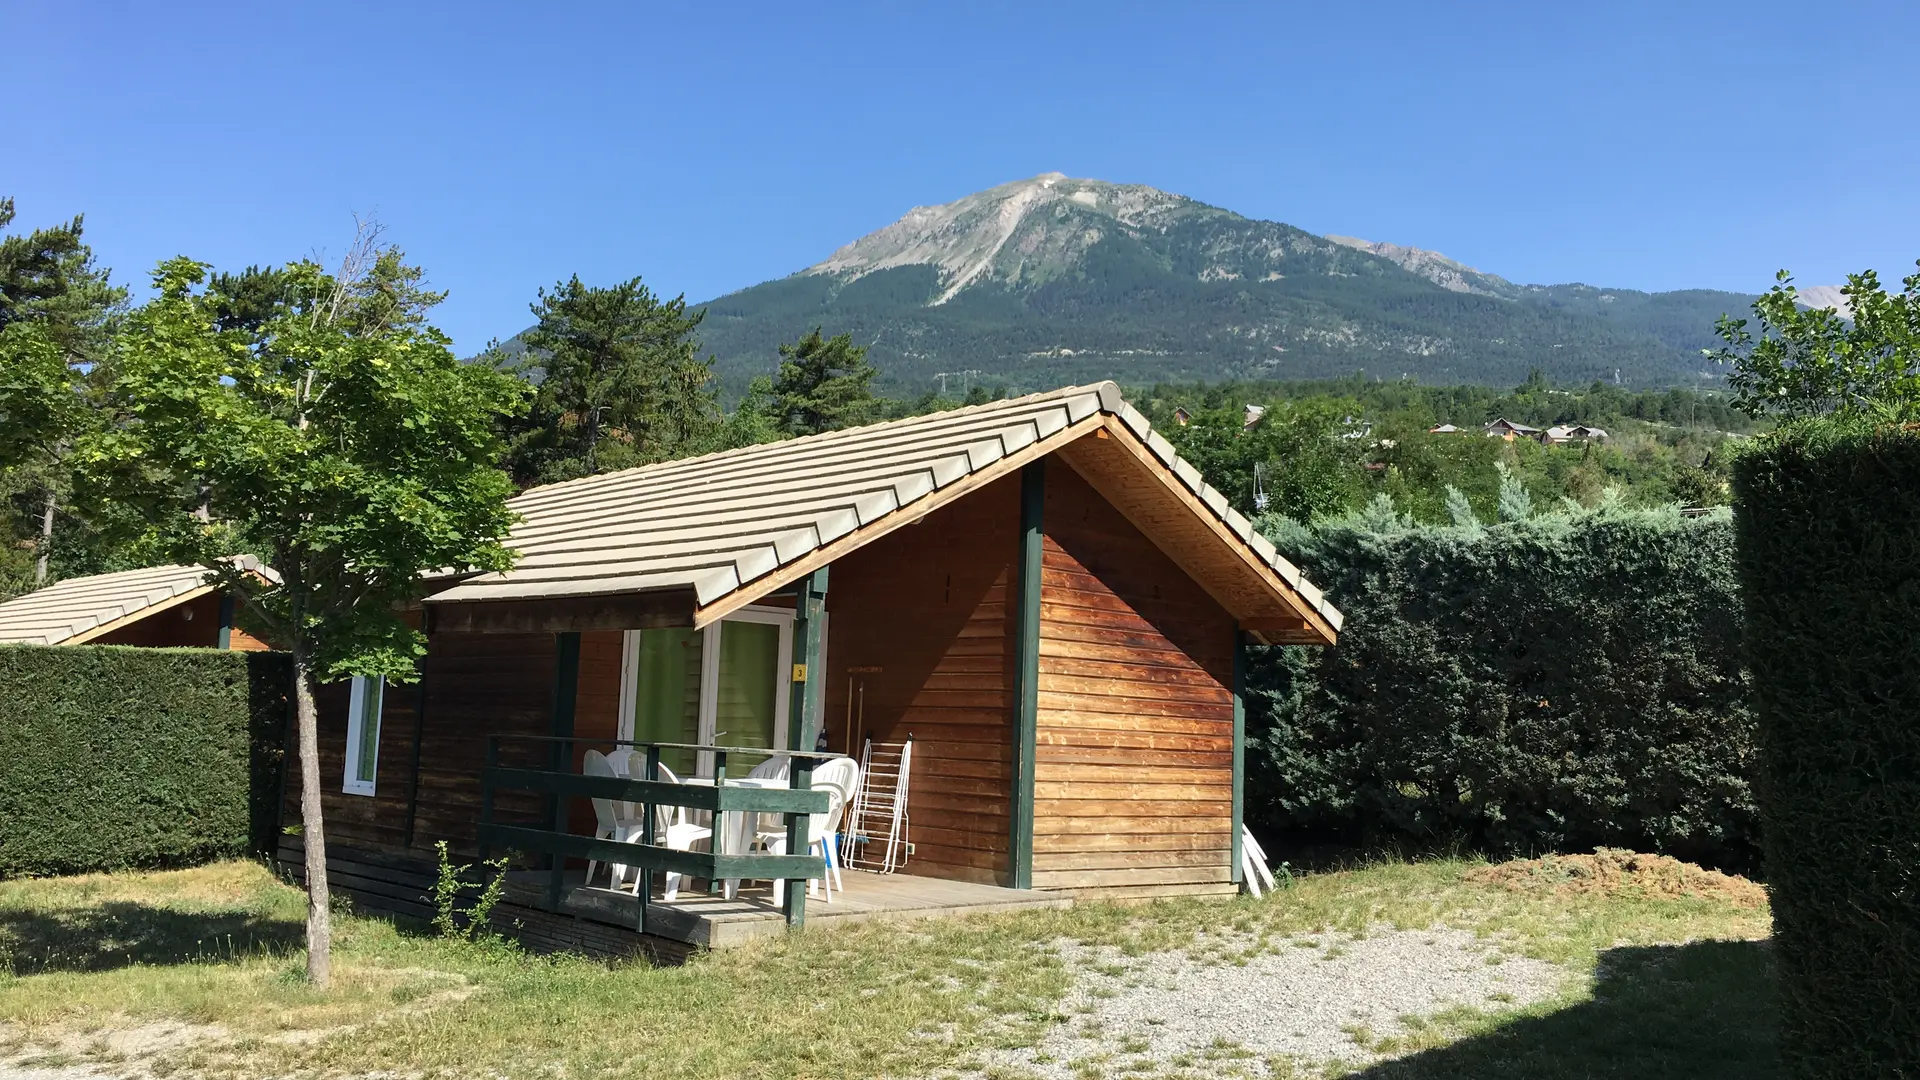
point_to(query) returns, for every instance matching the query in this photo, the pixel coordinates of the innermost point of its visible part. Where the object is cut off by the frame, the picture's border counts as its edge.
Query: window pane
(666, 705)
(749, 679)
(369, 755)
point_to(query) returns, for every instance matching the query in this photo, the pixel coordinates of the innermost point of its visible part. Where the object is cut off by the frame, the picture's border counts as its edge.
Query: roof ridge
(1002, 403)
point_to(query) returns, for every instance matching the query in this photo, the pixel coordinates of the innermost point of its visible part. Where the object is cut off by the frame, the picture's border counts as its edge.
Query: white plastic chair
(676, 832)
(839, 778)
(610, 825)
(628, 764)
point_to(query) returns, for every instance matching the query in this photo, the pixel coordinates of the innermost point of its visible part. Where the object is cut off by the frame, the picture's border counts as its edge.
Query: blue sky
(708, 147)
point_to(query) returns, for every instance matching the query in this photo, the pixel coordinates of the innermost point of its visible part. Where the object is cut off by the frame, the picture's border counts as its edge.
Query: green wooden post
(803, 715)
(1026, 669)
(800, 778)
(803, 718)
(225, 640)
(489, 762)
(714, 887)
(566, 691)
(650, 824)
(1239, 745)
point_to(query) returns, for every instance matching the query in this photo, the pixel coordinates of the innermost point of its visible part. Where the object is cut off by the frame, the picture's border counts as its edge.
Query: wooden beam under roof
(611, 611)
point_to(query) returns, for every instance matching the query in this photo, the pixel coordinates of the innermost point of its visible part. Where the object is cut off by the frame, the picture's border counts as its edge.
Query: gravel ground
(1304, 999)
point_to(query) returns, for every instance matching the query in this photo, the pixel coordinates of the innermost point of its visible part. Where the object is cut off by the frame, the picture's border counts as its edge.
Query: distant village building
(1508, 430)
(1566, 433)
(1443, 429)
(1181, 416)
(1254, 413)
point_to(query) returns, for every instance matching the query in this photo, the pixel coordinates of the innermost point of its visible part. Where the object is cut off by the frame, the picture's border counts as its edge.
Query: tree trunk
(319, 922)
(46, 541)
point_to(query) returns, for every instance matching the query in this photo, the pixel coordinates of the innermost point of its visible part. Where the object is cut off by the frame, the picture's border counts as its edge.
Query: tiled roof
(71, 611)
(719, 523)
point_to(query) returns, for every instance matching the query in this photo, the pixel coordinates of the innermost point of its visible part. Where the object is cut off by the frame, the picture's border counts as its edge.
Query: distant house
(1444, 429)
(1254, 414)
(1508, 430)
(157, 606)
(1566, 433)
(1181, 416)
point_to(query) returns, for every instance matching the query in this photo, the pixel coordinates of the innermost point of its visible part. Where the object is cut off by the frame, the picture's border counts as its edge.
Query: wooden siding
(928, 607)
(474, 685)
(1133, 783)
(193, 624)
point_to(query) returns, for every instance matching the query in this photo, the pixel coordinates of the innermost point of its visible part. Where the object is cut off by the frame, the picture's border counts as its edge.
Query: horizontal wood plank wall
(928, 606)
(476, 685)
(1134, 763)
(596, 709)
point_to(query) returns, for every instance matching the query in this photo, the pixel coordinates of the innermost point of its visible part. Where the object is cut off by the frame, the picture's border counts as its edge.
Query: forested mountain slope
(1055, 280)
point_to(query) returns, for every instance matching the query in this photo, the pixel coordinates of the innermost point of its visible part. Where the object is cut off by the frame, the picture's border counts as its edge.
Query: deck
(701, 919)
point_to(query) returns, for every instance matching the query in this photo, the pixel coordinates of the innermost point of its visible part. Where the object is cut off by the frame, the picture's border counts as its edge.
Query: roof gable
(729, 528)
(78, 610)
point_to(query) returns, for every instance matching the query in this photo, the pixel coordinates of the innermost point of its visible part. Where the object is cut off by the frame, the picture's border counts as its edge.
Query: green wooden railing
(796, 803)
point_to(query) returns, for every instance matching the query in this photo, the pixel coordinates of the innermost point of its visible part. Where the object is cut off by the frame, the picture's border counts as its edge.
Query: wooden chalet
(156, 606)
(1039, 592)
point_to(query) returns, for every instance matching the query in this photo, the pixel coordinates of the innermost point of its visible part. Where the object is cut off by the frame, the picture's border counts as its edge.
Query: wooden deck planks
(703, 919)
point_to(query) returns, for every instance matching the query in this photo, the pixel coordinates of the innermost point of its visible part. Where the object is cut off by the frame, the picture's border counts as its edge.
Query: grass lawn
(198, 972)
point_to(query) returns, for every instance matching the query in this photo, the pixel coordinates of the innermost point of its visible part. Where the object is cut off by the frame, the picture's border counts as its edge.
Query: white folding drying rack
(876, 834)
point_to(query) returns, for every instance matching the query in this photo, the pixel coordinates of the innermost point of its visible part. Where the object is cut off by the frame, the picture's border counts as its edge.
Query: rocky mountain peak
(1028, 230)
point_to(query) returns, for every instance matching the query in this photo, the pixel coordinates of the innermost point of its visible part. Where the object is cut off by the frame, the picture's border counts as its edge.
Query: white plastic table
(736, 833)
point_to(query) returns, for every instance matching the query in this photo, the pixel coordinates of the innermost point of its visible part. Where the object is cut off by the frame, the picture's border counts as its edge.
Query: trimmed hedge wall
(1829, 554)
(116, 757)
(1553, 684)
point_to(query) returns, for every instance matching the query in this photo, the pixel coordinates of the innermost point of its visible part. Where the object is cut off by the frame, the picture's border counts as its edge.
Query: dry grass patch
(1622, 873)
(215, 952)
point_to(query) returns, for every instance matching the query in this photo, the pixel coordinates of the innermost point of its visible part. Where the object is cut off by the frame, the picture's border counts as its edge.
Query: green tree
(824, 384)
(340, 440)
(1806, 362)
(1294, 460)
(620, 379)
(56, 313)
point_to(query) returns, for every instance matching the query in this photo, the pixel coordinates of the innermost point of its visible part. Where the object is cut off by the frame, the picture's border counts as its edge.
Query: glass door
(663, 686)
(724, 685)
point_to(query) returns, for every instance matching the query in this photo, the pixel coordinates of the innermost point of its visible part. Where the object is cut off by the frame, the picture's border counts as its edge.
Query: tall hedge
(1829, 554)
(1552, 684)
(114, 757)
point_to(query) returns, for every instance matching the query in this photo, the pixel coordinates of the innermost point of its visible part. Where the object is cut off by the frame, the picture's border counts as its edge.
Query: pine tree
(824, 384)
(56, 315)
(621, 383)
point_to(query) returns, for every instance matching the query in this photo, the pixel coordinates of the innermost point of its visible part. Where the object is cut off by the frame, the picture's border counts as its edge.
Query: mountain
(1054, 280)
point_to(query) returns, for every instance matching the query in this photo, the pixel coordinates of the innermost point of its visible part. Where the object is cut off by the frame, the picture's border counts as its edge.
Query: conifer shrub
(1828, 521)
(1553, 683)
(113, 757)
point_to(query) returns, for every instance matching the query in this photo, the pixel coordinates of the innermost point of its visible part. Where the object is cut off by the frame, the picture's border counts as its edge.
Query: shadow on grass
(1677, 1012)
(120, 934)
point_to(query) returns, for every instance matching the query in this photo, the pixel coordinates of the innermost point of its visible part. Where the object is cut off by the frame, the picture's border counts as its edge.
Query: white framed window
(363, 734)
(726, 684)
